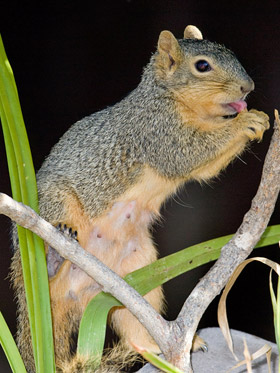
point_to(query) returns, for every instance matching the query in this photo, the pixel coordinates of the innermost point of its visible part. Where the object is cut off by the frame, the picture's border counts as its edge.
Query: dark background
(72, 59)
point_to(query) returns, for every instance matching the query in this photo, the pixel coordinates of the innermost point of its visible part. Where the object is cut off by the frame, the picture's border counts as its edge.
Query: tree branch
(23, 215)
(239, 247)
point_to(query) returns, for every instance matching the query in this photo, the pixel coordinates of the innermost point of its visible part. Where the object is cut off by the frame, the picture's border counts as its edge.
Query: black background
(71, 59)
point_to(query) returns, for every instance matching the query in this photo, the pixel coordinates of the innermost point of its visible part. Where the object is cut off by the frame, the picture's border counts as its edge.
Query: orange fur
(212, 168)
(199, 110)
(152, 190)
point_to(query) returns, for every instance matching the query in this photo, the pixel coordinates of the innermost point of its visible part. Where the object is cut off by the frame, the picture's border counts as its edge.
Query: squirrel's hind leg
(66, 312)
(130, 330)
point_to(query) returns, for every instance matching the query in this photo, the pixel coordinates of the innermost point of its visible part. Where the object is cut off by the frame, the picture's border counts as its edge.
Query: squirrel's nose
(247, 87)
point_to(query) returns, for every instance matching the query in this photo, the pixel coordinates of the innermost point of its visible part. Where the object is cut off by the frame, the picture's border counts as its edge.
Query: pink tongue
(238, 105)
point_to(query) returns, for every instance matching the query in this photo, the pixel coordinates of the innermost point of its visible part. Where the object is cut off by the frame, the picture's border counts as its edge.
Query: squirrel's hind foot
(199, 344)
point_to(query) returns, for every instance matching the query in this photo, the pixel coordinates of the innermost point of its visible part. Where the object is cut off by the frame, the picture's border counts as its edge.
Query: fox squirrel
(109, 174)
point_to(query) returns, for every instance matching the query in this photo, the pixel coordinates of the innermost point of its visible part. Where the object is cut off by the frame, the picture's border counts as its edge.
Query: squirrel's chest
(150, 191)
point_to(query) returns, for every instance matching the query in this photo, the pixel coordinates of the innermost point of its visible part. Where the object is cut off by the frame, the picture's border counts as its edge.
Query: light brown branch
(240, 246)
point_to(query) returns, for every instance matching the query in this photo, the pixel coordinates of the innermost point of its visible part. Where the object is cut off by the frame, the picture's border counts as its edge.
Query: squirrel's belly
(120, 237)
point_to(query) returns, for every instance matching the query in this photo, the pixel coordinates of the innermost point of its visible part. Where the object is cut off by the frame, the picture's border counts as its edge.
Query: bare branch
(238, 249)
(23, 215)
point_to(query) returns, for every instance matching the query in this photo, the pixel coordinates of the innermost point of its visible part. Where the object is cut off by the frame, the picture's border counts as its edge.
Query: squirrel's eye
(202, 66)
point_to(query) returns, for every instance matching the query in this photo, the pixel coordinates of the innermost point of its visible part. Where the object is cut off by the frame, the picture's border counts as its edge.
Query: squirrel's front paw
(255, 123)
(54, 260)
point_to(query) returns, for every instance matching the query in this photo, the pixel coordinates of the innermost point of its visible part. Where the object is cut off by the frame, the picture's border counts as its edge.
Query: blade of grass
(10, 348)
(92, 334)
(147, 278)
(25, 190)
(270, 236)
(12, 164)
(12, 158)
(157, 361)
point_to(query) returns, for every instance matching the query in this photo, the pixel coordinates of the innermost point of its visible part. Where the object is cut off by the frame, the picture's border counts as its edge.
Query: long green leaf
(93, 325)
(10, 348)
(92, 334)
(157, 361)
(24, 189)
(147, 278)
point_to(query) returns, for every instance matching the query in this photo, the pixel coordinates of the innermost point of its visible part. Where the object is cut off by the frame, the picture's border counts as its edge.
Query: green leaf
(157, 361)
(147, 278)
(270, 236)
(9, 346)
(93, 326)
(24, 189)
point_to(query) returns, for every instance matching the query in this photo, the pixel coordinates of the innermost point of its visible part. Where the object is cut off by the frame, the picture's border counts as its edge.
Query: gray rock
(219, 359)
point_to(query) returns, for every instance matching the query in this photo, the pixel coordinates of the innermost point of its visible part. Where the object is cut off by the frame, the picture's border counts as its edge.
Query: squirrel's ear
(169, 51)
(192, 32)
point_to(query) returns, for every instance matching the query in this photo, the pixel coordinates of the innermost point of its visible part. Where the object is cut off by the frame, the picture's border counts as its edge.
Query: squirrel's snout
(247, 87)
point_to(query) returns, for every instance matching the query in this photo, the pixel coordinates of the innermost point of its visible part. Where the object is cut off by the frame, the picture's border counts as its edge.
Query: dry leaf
(222, 313)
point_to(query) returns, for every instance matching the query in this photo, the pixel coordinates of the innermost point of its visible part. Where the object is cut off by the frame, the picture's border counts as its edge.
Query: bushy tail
(113, 361)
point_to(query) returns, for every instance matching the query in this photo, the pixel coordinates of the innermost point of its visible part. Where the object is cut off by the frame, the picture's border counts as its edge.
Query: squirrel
(110, 173)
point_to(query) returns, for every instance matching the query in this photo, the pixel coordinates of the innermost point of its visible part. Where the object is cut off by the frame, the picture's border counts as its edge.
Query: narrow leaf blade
(10, 348)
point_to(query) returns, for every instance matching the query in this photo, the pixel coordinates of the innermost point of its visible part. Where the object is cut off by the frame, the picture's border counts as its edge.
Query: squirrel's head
(204, 76)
